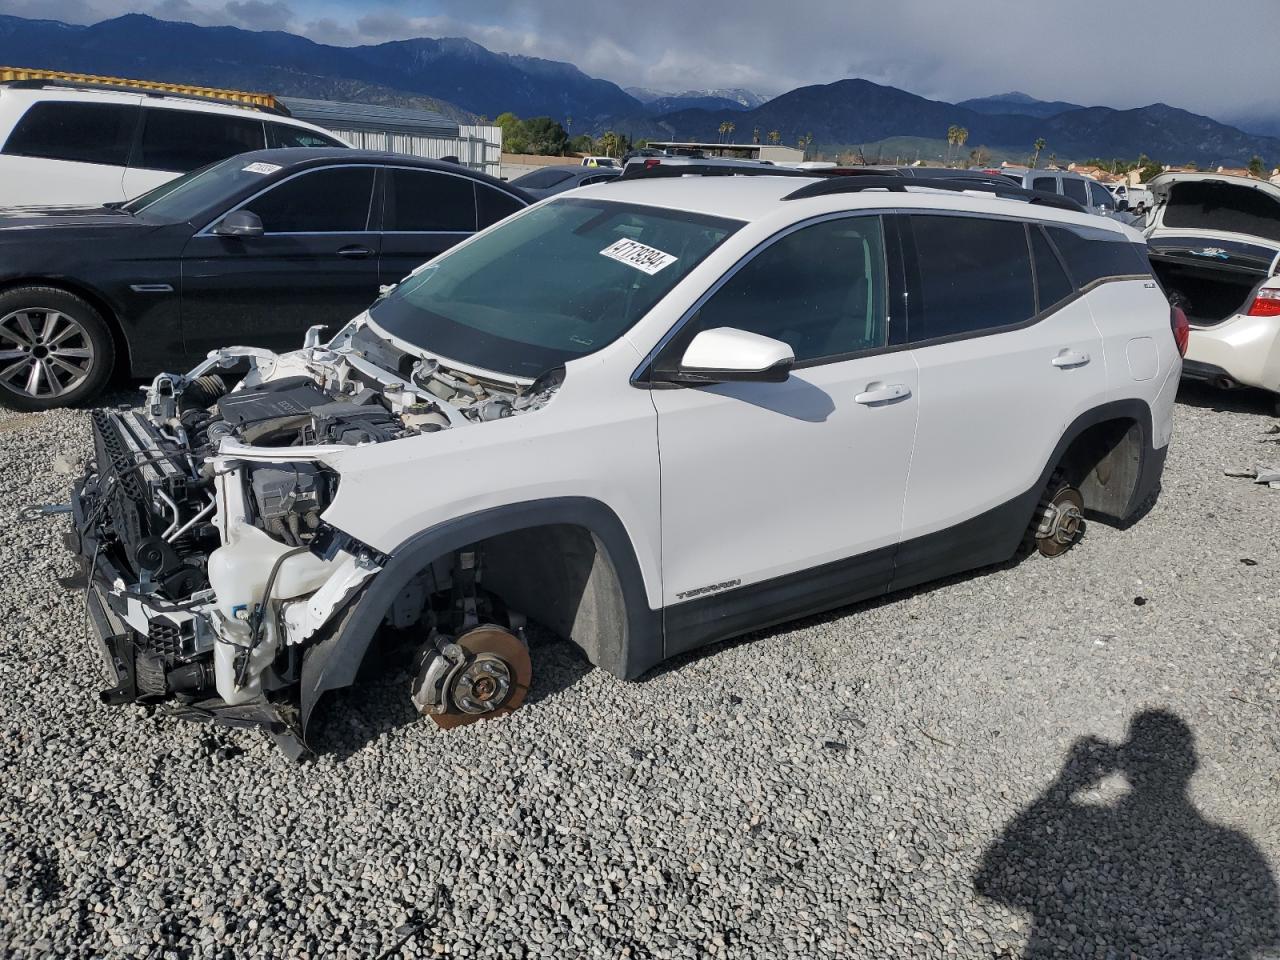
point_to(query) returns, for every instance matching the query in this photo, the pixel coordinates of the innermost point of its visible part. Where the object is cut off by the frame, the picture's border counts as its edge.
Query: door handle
(354, 252)
(880, 393)
(1070, 358)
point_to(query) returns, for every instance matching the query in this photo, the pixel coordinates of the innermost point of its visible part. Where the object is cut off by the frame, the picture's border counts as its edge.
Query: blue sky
(1185, 52)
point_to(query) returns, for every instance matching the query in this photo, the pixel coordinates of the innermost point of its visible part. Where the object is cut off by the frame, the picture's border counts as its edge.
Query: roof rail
(23, 78)
(897, 184)
(636, 169)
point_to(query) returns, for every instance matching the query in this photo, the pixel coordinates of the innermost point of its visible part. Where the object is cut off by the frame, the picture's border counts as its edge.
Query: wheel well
(1105, 462)
(562, 576)
(118, 339)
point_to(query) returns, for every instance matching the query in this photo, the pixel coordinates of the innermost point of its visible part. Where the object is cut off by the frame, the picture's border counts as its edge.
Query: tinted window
(83, 132)
(1047, 184)
(323, 201)
(820, 290)
(178, 140)
(1092, 258)
(1100, 196)
(542, 179)
(283, 135)
(1052, 282)
(1075, 190)
(421, 200)
(494, 205)
(975, 275)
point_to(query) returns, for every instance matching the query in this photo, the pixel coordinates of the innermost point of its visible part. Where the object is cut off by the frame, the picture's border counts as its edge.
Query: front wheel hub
(486, 672)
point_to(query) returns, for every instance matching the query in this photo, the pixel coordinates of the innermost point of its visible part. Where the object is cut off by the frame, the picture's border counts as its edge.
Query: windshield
(186, 197)
(558, 282)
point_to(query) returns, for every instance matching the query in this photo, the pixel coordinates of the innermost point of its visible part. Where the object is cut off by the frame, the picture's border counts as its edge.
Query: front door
(785, 498)
(316, 263)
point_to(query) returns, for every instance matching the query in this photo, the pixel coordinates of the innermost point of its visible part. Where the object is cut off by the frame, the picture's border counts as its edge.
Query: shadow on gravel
(1141, 876)
(1243, 400)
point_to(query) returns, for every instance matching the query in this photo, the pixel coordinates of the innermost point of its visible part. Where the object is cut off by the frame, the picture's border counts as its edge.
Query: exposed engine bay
(211, 569)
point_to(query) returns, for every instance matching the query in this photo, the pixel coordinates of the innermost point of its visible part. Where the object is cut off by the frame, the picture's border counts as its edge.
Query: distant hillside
(1019, 103)
(859, 111)
(734, 98)
(451, 70)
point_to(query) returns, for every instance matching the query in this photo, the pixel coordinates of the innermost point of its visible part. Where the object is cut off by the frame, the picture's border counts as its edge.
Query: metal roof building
(421, 133)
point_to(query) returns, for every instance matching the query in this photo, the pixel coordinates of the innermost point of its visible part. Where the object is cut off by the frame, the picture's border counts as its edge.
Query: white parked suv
(648, 416)
(62, 145)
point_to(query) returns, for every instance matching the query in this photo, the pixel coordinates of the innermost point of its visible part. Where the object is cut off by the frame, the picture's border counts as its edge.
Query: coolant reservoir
(238, 571)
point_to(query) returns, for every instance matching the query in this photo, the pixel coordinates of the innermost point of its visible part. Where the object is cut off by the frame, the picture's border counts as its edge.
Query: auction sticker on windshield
(261, 168)
(643, 257)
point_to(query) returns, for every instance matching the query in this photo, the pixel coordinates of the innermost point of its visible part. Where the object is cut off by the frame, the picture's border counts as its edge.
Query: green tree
(775, 137)
(1256, 167)
(609, 143)
(1040, 145)
(545, 136)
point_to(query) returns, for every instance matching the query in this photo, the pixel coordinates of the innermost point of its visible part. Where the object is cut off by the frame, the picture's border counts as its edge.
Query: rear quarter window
(1090, 258)
(78, 132)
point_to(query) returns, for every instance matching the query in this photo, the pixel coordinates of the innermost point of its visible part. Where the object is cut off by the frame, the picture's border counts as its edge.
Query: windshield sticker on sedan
(261, 168)
(643, 257)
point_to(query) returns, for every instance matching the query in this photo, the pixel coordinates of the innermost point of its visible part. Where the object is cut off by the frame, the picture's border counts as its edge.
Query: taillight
(1181, 329)
(651, 163)
(1266, 303)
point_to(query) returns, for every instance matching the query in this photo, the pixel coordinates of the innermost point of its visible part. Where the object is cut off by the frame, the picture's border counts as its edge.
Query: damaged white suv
(648, 416)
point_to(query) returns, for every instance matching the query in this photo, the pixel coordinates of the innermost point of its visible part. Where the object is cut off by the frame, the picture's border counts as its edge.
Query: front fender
(334, 662)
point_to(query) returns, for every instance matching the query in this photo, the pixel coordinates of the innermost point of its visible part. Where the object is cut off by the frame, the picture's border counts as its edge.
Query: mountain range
(462, 79)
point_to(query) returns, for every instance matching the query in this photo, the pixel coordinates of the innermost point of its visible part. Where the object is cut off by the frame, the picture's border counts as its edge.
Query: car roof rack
(229, 98)
(636, 170)
(899, 184)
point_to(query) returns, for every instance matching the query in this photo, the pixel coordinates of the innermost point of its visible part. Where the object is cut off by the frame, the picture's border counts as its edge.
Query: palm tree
(953, 137)
(1040, 145)
(724, 128)
(962, 137)
(775, 137)
(609, 143)
(729, 127)
(755, 135)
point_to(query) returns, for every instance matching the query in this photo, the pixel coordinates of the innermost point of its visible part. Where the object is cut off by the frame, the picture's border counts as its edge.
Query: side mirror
(239, 223)
(727, 355)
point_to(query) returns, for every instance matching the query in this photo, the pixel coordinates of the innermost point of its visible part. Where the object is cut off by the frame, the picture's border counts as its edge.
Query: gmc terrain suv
(649, 415)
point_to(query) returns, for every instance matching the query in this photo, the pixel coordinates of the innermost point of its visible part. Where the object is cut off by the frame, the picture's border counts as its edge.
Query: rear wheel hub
(1061, 522)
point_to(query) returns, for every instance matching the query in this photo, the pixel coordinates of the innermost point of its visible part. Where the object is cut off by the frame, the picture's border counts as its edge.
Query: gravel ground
(991, 767)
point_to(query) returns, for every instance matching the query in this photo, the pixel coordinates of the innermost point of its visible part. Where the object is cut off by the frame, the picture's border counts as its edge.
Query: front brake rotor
(491, 678)
(1061, 522)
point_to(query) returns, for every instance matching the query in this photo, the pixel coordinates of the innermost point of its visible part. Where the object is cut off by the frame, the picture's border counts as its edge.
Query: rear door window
(975, 276)
(423, 201)
(332, 200)
(1075, 190)
(1052, 283)
(181, 140)
(821, 290)
(1047, 184)
(79, 132)
(494, 205)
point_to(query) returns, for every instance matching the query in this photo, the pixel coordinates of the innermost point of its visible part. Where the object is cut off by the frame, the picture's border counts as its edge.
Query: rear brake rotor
(494, 681)
(1061, 522)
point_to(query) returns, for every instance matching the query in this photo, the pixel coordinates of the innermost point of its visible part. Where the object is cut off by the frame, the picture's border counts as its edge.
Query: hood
(28, 218)
(1216, 204)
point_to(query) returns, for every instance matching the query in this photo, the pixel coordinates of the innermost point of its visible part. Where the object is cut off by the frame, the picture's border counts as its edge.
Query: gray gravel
(908, 778)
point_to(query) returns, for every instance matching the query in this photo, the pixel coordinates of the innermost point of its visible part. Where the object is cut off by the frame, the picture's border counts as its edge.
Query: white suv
(71, 145)
(649, 415)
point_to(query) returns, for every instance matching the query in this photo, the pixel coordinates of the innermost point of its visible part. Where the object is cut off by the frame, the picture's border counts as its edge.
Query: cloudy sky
(1220, 61)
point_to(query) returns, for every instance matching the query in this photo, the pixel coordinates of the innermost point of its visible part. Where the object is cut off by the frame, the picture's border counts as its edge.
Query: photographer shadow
(1143, 875)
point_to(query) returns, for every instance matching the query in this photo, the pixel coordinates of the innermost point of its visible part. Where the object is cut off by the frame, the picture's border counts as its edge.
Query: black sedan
(251, 250)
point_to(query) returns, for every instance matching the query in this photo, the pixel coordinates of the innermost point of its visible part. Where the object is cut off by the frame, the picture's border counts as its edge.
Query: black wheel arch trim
(333, 662)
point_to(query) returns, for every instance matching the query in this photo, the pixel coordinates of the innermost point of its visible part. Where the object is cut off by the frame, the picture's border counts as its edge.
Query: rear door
(783, 498)
(172, 142)
(1006, 364)
(317, 263)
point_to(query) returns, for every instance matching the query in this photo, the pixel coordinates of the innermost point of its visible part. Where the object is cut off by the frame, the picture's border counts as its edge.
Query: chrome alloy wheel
(43, 352)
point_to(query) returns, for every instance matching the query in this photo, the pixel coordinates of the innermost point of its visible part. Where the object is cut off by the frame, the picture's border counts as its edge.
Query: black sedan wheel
(55, 349)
